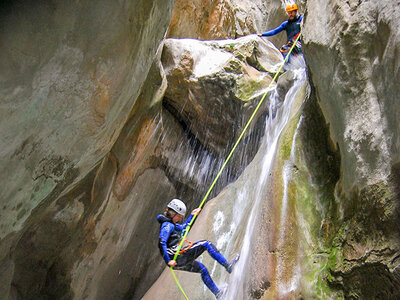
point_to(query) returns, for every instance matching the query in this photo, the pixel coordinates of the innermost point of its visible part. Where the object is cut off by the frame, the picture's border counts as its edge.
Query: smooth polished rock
(70, 76)
(352, 51)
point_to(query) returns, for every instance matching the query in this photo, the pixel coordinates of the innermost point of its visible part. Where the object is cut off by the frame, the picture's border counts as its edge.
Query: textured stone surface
(357, 83)
(70, 76)
(214, 83)
(222, 19)
(352, 50)
(205, 19)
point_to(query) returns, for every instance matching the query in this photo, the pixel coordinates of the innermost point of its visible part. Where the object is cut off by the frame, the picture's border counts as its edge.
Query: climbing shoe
(230, 264)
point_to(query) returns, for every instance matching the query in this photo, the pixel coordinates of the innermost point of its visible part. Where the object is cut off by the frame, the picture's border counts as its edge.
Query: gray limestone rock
(212, 84)
(352, 51)
(70, 76)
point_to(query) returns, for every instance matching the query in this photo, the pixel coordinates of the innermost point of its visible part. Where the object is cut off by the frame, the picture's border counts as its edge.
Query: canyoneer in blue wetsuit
(170, 237)
(292, 28)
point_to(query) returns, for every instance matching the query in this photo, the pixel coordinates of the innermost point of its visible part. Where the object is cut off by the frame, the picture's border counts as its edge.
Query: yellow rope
(178, 284)
(226, 162)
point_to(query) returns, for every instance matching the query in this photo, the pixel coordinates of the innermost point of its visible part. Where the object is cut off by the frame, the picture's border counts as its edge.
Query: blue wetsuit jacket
(170, 236)
(292, 28)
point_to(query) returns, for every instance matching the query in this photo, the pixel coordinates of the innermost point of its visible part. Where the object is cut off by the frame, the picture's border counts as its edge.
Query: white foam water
(244, 224)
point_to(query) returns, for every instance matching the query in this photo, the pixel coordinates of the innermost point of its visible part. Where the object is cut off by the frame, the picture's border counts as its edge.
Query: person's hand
(196, 211)
(260, 35)
(172, 263)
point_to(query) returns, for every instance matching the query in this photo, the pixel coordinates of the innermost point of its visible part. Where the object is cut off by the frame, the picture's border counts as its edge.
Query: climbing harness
(296, 50)
(186, 232)
(186, 248)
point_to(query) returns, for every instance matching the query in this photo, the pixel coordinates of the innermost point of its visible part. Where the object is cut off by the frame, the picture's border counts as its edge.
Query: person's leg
(199, 247)
(214, 253)
(198, 267)
(205, 276)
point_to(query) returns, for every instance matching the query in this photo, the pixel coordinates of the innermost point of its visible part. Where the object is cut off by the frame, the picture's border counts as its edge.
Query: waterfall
(231, 220)
(247, 202)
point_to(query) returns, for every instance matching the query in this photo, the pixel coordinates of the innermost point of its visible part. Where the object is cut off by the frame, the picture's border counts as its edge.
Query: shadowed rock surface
(102, 123)
(71, 75)
(216, 83)
(354, 67)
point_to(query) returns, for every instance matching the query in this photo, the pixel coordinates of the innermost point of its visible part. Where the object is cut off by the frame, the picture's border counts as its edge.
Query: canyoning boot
(221, 293)
(230, 264)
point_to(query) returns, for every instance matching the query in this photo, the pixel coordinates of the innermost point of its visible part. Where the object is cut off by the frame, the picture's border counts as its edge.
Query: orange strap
(186, 248)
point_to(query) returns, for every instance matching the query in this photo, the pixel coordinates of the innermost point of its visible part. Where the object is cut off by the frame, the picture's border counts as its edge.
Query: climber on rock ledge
(170, 237)
(292, 28)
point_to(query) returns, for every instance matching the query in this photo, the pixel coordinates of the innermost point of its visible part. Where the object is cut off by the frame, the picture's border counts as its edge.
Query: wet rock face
(225, 221)
(352, 50)
(70, 75)
(211, 85)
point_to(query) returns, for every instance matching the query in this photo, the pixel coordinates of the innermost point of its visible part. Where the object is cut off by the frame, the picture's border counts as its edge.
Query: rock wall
(352, 51)
(100, 127)
(209, 20)
(70, 76)
(340, 234)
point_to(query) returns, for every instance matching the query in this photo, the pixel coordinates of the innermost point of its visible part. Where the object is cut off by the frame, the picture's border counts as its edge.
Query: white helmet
(178, 206)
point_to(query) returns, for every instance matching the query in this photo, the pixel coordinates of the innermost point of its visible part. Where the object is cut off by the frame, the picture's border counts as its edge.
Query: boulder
(211, 85)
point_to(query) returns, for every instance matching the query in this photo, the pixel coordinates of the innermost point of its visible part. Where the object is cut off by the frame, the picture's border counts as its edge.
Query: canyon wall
(352, 52)
(71, 76)
(103, 121)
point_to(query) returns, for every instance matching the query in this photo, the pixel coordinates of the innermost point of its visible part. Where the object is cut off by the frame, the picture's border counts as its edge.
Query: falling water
(250, 195)
(231, 218)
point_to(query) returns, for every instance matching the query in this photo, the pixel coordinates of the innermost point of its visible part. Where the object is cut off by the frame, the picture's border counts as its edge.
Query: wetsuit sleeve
(182, 226)
(276, 30)
(166, 230)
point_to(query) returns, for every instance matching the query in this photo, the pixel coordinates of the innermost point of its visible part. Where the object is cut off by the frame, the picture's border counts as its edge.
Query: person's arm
(166, 230)
(186, 223)
(278, 29)
(182, 226)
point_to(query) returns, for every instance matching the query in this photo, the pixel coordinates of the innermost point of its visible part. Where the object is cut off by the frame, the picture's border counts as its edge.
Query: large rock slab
(212, 85)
